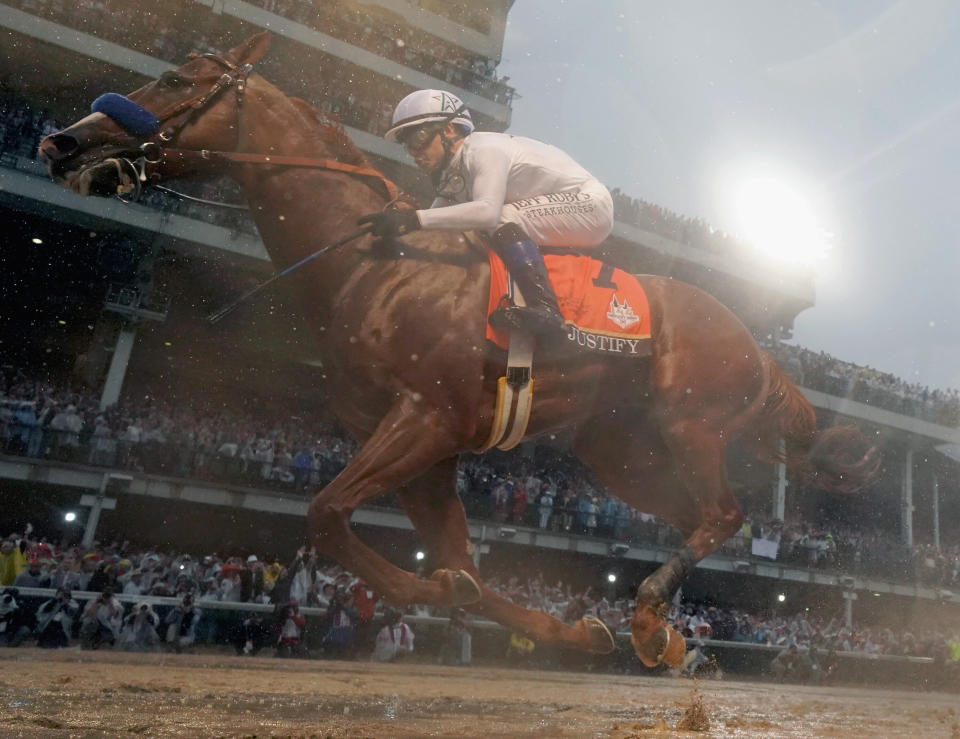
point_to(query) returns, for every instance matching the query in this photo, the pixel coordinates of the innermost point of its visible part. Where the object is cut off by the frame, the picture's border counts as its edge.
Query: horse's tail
(838, 458)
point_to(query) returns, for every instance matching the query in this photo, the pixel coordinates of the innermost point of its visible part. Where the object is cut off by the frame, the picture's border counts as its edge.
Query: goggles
(417, 139)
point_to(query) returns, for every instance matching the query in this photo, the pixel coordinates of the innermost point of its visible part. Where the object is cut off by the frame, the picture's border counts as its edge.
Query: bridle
(157, 160)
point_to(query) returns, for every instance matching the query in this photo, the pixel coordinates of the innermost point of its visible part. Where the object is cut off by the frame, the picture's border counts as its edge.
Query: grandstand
(104, 302)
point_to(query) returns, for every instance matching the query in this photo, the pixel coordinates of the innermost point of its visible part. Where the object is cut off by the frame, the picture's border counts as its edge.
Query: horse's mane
(330, 131)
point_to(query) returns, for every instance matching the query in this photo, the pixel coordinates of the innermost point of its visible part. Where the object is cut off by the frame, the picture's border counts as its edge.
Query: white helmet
(424, 106)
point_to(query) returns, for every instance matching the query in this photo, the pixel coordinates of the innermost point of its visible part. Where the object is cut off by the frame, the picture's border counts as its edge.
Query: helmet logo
(448, 103)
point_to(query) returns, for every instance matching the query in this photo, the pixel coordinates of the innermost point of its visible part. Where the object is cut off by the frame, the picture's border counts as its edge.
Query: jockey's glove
(391, 223)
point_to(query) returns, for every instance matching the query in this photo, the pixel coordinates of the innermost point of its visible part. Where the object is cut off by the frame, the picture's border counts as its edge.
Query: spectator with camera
(790, 664)
(301, 574)
(290, 625)
(251, 635)
(365, 602)
(395, 639)
(181, 624)
(140, 629)
(338, 637)
(457, 641)
(102, 621)
(55, 619)
(16, 622)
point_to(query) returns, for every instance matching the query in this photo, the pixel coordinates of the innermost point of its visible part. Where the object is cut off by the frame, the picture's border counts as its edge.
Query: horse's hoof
(463, 589)
(599, 638)
(676, 648)
(665, 646)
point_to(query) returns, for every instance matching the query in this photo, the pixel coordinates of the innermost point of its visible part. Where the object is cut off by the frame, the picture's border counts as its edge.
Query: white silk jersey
(496, 178)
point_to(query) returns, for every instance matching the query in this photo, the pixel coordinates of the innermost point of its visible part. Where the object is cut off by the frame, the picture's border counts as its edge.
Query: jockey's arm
(488, 170)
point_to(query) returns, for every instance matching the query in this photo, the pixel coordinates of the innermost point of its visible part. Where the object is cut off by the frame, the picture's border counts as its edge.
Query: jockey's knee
(510, 233)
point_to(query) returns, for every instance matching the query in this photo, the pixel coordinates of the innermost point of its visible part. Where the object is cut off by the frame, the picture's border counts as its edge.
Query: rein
(216, 316)
(184, 159)
(156, 161)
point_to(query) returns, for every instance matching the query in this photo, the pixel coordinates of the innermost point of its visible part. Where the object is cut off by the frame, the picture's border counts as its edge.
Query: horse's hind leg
(700, 464)
(409, 440)
(437, 513)
(683, 482)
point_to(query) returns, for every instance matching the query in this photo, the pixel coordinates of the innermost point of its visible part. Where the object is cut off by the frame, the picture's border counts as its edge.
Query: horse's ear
(252, 50)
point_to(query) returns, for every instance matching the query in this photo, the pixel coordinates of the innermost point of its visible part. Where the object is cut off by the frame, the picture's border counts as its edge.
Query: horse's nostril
(58, 145)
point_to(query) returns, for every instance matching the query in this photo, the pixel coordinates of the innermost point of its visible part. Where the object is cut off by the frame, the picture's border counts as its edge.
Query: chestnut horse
(412, 376)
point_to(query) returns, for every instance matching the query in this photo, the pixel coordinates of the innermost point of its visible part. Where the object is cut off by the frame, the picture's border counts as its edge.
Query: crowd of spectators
(682, 229)
(820, 371)
(473, 15)
(835, 546)
(356, 621)
(38, 419)
(163, 33)
(549, 491)
(195, 582)
(404, 44)
(801, 629)
(21, 127)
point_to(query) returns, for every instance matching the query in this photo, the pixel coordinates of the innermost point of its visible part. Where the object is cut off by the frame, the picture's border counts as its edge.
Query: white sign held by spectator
(764, 548)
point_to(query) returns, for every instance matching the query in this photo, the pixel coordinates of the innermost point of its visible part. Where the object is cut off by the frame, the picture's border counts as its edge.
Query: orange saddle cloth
(605, 309)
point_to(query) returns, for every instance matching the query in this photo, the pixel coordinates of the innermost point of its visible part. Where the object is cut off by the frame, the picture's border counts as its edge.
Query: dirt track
(91, 694)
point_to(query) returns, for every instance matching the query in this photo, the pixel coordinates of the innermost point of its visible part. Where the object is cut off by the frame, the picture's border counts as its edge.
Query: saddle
(605, 309)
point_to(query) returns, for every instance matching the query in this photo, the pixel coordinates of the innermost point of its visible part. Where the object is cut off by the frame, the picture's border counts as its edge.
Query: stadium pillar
(936, 511)
(906, 500)
(848, 597)
(118, 365)
(780, 486)
(481, 547)
(112, 482)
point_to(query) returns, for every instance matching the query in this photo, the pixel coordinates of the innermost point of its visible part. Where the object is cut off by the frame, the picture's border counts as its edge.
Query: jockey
(526, 193)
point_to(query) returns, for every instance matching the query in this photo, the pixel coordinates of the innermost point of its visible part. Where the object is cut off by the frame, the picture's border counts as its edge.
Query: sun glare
(780, 222)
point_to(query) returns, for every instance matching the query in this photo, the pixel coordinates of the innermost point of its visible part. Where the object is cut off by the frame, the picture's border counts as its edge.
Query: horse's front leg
(432, 504)
(409, 440)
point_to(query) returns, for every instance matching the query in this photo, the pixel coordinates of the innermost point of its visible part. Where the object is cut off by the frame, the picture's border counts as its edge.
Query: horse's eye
(171, 80)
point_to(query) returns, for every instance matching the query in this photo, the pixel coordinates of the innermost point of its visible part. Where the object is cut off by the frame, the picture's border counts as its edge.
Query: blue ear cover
(127, 114)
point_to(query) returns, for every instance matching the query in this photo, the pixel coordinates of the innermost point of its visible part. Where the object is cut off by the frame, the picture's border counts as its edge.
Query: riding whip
(215, 317)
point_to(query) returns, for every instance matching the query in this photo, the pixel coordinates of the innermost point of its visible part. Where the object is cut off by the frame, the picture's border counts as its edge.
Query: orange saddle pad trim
(605, 309)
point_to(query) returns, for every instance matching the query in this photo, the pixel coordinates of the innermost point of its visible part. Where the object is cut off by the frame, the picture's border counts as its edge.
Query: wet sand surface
(93, 694)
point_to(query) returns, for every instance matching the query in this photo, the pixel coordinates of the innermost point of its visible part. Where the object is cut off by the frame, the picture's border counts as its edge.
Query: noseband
(157, 161)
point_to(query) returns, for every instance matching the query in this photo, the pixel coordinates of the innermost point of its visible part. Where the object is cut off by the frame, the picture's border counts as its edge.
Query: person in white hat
(524, 192)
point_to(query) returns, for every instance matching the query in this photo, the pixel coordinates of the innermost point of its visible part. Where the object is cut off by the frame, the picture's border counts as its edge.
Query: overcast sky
(855, 104)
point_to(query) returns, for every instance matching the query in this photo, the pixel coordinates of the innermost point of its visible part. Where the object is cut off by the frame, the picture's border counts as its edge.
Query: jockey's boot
(541, 315)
